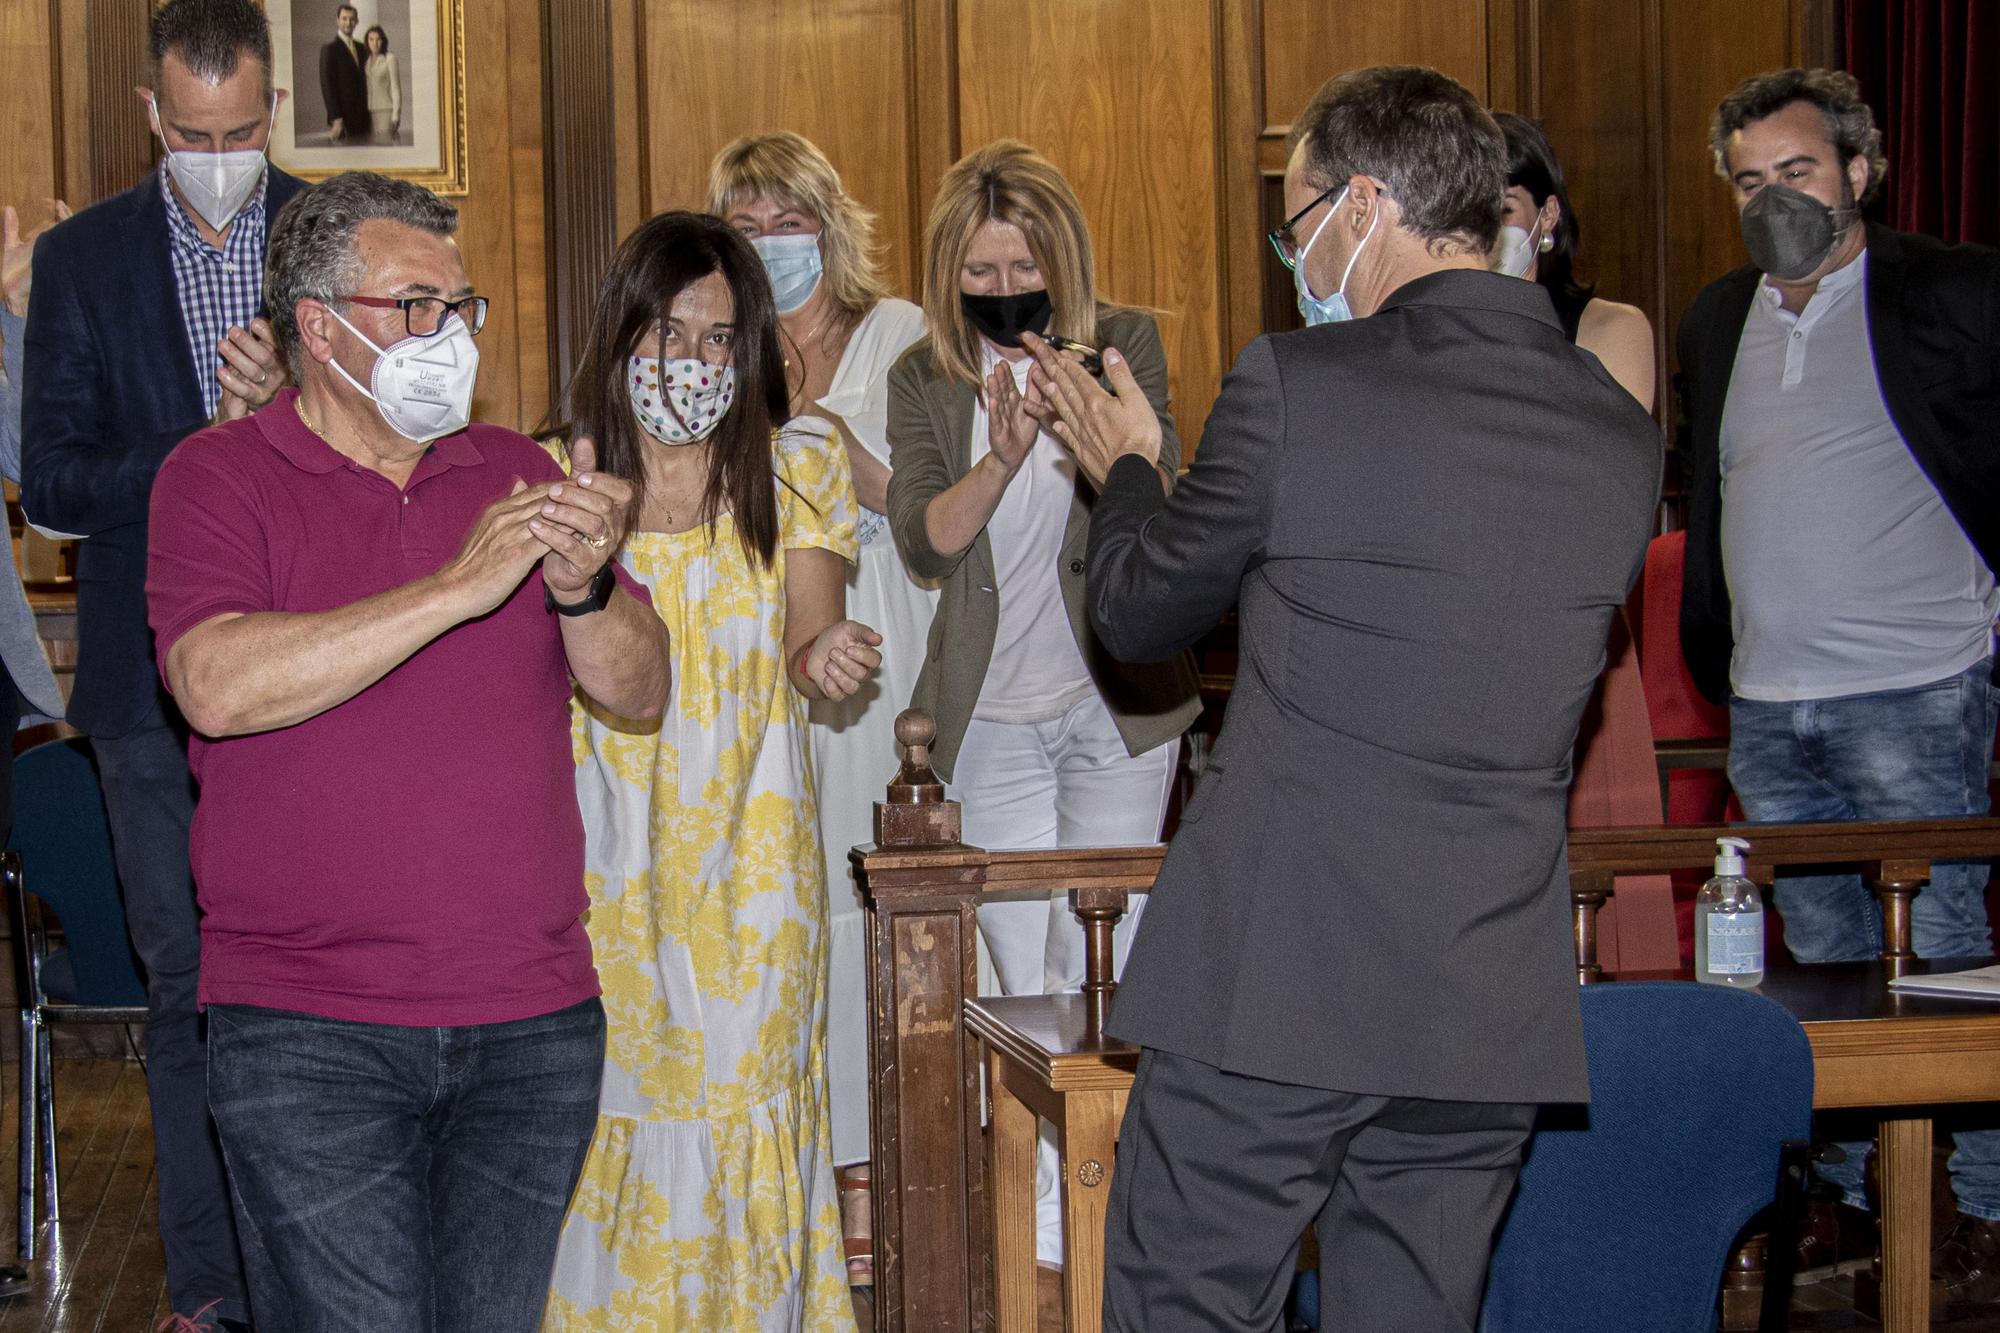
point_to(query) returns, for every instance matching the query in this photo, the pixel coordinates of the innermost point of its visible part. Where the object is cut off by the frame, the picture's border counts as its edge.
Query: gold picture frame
(423, 80)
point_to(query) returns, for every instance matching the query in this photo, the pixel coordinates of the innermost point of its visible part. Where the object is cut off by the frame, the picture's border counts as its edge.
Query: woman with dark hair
(1616, 780)
(1538, 241)
(708, 1199)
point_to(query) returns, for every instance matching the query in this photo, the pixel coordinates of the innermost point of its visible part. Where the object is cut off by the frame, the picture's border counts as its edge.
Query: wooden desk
(1878, 1049)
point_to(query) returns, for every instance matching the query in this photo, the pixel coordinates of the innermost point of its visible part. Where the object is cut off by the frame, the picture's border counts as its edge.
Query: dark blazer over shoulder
(1426, 520)
(1934, 327)
(930, 446)
(110, 391)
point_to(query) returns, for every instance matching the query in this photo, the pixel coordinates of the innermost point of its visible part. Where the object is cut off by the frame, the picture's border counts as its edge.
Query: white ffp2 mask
(421, 386)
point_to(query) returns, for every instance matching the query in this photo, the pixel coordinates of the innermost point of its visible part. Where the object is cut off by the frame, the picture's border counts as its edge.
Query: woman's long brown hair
(656, 263)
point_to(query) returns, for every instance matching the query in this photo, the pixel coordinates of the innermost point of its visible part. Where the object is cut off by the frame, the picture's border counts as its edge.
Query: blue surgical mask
(794, 266)
(1329, 309)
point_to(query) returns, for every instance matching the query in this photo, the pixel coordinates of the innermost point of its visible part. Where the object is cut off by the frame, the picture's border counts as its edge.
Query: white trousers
(1067, 782)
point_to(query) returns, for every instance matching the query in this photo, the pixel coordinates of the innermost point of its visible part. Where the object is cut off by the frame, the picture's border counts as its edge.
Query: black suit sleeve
(75, 475)
(329, 82)
(1707, 642)
(1162, 569)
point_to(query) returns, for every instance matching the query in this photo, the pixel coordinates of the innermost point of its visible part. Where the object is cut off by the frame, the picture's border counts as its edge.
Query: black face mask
(1789, 233)
(1005, 318)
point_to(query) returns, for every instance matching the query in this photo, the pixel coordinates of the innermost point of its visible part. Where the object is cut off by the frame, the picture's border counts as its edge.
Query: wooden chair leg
(28, 1180)
(1010, 1179)
(1089, 1140)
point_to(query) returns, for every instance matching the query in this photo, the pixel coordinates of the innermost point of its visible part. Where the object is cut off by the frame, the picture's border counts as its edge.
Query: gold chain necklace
(299, 406)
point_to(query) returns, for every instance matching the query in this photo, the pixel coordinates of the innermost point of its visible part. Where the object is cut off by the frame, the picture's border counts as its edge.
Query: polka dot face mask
(679, 402)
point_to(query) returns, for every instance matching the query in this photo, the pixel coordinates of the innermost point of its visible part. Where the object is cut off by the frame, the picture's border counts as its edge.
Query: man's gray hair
(312, 253)
(1421, 134)
(1849, 122)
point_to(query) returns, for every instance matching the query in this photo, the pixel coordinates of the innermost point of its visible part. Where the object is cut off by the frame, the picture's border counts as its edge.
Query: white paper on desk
(1980, 983)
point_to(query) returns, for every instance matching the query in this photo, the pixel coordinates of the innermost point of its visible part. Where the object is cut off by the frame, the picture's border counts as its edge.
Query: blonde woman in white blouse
(385, 89)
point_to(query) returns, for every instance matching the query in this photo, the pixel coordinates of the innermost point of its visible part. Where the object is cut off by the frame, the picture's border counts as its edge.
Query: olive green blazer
(930, 447)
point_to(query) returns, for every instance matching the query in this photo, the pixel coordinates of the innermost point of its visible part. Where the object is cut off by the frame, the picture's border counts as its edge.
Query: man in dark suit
(1354, 980)
(146, 325)
(1839, 413)
(343, 80)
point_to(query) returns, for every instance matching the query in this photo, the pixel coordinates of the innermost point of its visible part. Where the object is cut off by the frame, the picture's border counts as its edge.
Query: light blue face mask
(1329, 309)
(794, 266)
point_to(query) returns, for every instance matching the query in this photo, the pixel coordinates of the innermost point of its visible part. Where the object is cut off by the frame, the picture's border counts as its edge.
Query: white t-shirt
(1847, 573)
(1037, 672)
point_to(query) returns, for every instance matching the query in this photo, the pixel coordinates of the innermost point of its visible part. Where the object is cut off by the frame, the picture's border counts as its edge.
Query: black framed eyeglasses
(1284, 241)
(425, 316)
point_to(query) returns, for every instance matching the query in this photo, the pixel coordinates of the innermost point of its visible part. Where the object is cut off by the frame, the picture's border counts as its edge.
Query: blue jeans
(402, 1180)
(1920, 753)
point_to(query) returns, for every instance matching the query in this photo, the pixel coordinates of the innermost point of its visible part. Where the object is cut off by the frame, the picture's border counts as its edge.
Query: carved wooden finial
(914, 812)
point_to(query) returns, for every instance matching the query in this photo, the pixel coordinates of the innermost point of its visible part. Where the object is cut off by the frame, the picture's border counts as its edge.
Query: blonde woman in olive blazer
(1043, 738)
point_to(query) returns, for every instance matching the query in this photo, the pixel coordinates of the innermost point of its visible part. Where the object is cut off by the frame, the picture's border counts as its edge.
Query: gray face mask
(1789, 233)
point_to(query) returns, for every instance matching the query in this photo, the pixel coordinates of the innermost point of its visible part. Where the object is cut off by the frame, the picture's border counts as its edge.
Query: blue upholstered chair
(59, 857)
(1626, 1215)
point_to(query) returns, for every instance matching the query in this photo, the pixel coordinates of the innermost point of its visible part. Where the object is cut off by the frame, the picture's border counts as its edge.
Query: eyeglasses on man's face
(1285, 239)
(425, 316)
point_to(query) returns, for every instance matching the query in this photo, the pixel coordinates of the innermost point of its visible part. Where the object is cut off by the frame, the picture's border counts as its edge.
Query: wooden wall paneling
(1119, 95)
(933, 138)
(529, 235)
(832, 70)
(631, 137)
(1245, 260)
(1706, 48)
(121, 137)
(581, 172)
(1815, 39)
(1307, 42)
(504, 108)
(71, 97)
(1603, 130)
(1510, 54)
(30, 144)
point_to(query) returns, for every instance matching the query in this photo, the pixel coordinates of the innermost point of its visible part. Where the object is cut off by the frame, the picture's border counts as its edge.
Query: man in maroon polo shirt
(370, 613)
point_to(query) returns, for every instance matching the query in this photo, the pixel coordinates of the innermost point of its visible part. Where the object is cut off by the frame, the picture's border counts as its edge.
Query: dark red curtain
(1931, 70)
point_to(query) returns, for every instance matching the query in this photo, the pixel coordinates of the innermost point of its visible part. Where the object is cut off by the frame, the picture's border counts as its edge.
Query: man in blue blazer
(147, 324)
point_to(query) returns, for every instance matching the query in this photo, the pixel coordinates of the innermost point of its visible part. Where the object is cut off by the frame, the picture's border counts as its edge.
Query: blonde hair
(1006, 181)
(790, 170)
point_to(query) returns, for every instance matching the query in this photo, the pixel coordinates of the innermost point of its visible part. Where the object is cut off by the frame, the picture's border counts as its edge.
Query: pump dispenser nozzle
(1729, 856)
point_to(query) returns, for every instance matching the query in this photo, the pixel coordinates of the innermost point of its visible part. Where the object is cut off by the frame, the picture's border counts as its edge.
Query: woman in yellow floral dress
(707, 1202)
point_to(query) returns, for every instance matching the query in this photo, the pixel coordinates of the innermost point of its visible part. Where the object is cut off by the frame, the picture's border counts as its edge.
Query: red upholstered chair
(1679, 712)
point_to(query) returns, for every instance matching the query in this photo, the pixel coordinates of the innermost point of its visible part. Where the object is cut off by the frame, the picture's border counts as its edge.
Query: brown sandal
(857, 1233)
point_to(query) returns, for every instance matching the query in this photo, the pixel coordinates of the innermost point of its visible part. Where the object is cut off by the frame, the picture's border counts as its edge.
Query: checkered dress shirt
(218, 289)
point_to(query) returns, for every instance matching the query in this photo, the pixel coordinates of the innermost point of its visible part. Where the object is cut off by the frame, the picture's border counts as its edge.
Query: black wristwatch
(596, 599)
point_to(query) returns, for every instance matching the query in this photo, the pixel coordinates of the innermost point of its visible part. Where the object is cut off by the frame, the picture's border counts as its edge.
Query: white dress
(853, 740)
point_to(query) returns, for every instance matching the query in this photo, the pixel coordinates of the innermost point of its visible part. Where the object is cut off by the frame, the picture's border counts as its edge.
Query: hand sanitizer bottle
(1729, 922)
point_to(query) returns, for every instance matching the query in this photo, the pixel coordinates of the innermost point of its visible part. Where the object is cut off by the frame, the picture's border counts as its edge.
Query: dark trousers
(149, 800)
(1219, 1175)
(402, 1179)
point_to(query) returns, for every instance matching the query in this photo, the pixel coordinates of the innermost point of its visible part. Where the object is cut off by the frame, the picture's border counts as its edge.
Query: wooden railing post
(1099, 910)
(926, 1155)
(1895, 884)
(1587, 891)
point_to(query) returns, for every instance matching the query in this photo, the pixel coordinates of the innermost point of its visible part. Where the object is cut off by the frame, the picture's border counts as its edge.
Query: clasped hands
(1098, 424)
(572, 527)
(251, 372)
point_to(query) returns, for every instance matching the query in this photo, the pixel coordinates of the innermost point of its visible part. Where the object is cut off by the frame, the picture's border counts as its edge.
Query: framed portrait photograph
(376, 85)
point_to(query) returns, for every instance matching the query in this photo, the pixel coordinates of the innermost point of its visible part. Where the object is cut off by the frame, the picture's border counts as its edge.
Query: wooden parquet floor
(99, 1269)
